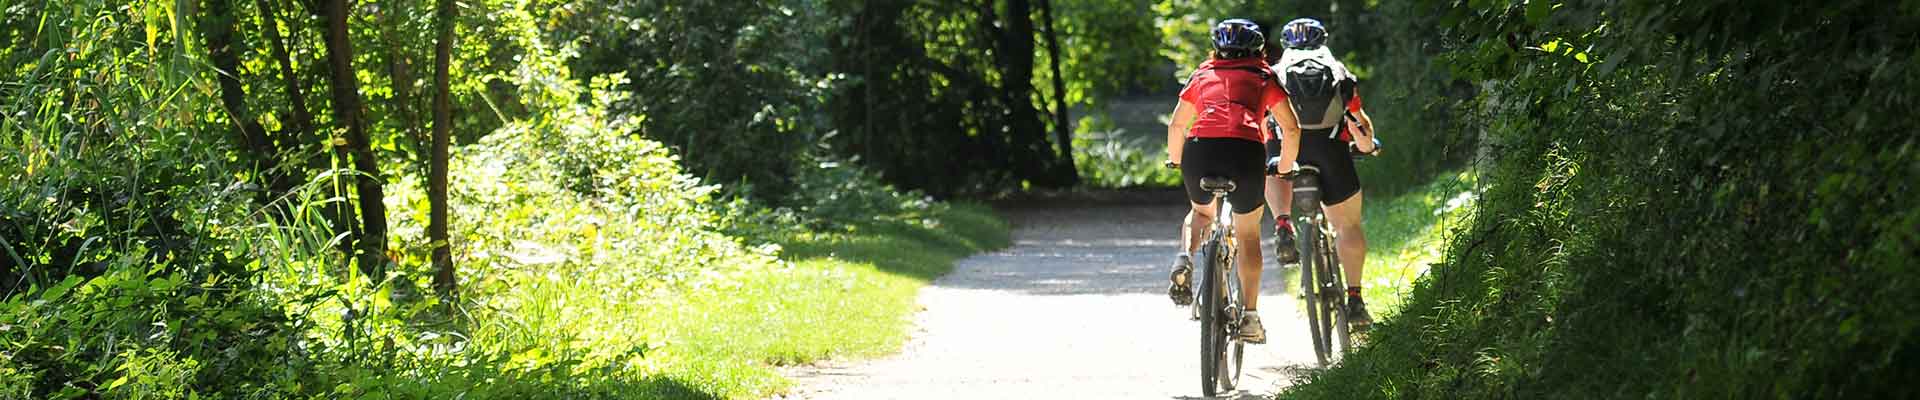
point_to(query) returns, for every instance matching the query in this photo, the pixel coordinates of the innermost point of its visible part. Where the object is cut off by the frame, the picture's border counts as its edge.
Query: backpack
(1317, 91)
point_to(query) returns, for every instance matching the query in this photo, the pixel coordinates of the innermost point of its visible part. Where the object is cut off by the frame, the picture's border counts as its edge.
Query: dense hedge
(1699, 199)
(141, 256)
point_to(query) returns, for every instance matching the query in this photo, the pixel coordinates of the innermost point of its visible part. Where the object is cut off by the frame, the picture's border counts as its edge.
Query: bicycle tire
(1211, 330)
(1310, 288)
(1338, 277)
(1236, 351)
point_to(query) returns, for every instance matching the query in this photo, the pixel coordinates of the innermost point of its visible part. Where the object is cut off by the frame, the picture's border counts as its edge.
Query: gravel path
(1076, 309)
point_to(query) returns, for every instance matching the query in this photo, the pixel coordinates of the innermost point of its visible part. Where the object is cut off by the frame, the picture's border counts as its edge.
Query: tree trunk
(300, 120)
(870, 83)
(1062, 133)
(300, 126)
(217, 25)
(372, 242)
(443, 278)
(1014, 54)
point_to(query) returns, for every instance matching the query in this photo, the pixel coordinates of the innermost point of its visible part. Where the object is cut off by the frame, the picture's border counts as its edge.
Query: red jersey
(1231, 98)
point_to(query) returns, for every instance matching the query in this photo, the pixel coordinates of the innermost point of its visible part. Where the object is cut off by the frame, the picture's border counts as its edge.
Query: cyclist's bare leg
(1280, 196)
(1246, 234)
(1196, 225)
(1352, 241)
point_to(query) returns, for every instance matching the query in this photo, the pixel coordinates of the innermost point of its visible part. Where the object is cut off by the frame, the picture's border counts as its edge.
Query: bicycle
(1321, 277)
(1218, 305)
(1320, 273)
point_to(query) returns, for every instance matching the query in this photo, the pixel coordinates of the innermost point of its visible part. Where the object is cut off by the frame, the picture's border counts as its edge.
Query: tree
(395, 35)
(217, 24)
(1062, 133)
(372, 239)
(299, 122)
(443, 278)
(1013, 55)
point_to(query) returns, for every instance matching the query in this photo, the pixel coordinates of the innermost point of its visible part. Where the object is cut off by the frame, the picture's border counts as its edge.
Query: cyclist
(1329, 118)
(1217, 130)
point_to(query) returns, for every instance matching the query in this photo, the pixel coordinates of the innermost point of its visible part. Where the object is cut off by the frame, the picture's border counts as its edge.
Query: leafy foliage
(739, 100)
(1679, 201)
(1119, 160)
(146, 255)
(941, 97)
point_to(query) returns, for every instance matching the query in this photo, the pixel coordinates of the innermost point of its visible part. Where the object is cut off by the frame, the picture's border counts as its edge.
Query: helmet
(1304, 33)
(1238, 36)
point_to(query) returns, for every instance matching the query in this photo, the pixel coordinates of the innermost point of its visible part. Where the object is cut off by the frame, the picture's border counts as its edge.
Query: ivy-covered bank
(1678, 200)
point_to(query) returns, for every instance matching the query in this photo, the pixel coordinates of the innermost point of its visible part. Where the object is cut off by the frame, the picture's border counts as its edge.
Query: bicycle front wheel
(1338, 307)
(1312, 289)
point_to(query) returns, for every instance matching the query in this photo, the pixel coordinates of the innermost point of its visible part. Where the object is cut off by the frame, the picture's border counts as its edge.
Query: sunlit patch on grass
(1408, 233)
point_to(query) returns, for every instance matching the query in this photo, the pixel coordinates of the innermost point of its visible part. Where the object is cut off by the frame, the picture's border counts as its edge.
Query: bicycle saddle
(1216, 184)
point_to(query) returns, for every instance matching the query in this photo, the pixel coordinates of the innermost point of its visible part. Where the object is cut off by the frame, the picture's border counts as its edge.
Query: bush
(1667, 214)
(740, 103)
(1116, 159)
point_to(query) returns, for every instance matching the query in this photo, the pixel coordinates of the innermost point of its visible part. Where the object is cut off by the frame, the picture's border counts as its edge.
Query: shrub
(1667, 214)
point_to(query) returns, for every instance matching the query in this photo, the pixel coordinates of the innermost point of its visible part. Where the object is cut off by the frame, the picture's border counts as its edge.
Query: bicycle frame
(1217, 304)
(1223, 230)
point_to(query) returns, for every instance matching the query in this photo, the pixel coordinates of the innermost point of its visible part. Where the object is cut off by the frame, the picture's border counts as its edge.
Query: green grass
(1407, 233)
(844, 294)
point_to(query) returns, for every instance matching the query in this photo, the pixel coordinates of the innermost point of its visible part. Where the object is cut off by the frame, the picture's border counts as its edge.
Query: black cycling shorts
(1242, 160)
(1339, 181)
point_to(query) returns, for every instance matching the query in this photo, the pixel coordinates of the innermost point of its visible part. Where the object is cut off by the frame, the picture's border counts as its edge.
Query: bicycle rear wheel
(1212, 325)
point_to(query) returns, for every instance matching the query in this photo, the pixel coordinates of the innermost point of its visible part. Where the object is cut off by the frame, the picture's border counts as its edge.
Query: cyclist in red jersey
(1217, 130)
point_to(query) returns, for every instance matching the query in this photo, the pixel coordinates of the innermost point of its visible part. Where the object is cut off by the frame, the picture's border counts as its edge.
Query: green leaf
(70, 392)
(58, 291)
(1537, 11)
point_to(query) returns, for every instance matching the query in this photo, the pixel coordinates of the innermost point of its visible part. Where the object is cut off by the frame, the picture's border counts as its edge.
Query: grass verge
(1407, 233)
(844, 293)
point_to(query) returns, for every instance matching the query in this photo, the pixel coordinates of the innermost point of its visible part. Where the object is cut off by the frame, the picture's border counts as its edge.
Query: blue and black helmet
(1238, 36)
(1304, 33)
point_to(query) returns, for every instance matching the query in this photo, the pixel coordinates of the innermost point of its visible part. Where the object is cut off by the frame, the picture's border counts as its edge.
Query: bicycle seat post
(1220, 186)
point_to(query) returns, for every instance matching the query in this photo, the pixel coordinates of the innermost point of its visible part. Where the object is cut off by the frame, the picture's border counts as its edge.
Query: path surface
(1075, 309)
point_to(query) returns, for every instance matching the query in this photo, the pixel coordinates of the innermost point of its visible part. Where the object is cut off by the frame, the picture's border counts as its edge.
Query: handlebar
(1273, 162)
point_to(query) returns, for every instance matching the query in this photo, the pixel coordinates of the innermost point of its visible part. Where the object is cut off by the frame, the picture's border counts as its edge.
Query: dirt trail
(1075, 309)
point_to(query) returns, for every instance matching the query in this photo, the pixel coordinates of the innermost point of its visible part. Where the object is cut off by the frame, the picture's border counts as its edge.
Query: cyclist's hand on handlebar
(1355, 149)
(1274, 169)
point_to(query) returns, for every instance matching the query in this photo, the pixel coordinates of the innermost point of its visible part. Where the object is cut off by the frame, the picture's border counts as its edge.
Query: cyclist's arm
(1282, 113)
(1363, 130)
(1363, 137)
(1177, 130)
